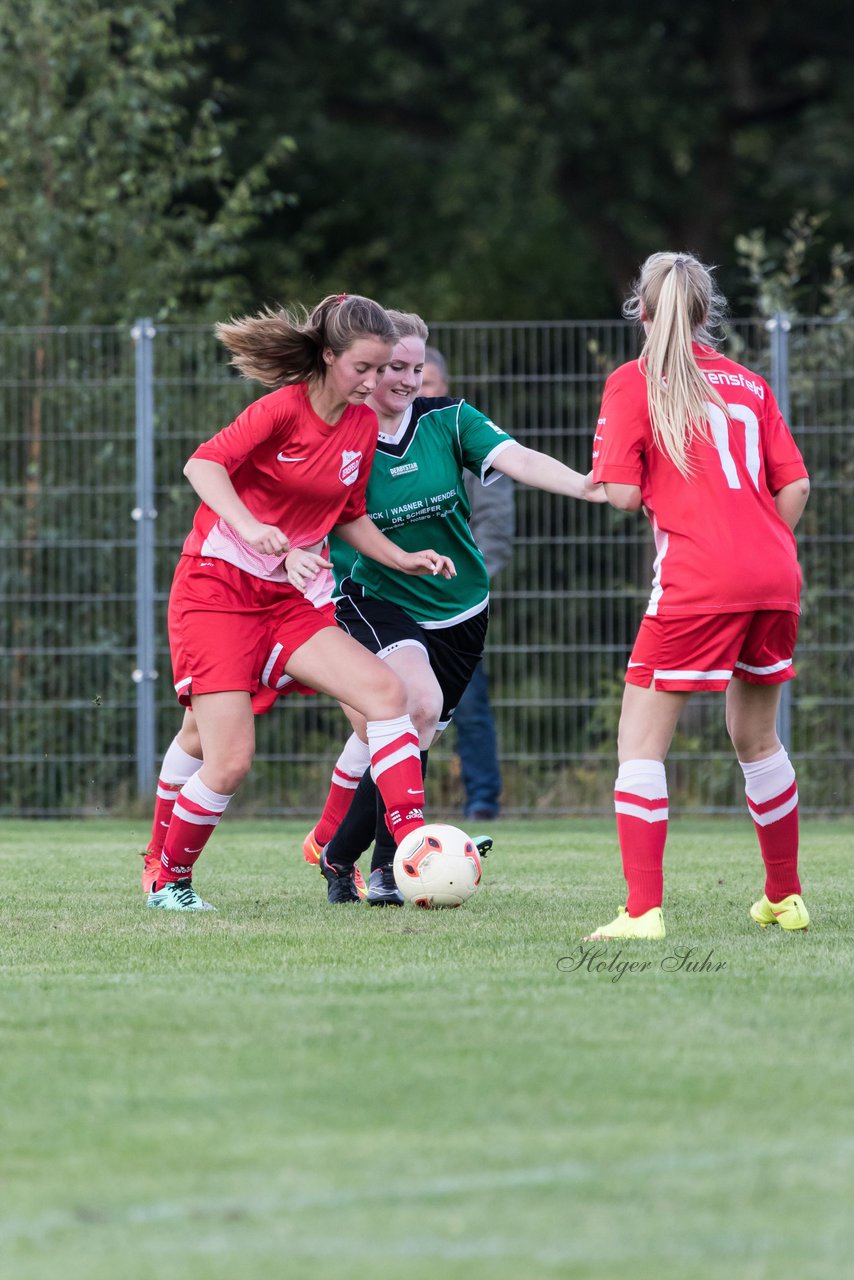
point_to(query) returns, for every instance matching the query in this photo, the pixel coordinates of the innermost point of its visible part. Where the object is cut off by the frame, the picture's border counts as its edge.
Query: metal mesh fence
(565, 610)
(67, 577)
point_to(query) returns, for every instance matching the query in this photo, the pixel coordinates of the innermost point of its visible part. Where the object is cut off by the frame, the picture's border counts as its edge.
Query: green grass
(285, 1089)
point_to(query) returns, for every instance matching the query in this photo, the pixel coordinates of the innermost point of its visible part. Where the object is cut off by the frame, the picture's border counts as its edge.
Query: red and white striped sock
(396, 769)
(640, 802)
(349, 767)
(195, 816)
(772, 798)
(177, 768)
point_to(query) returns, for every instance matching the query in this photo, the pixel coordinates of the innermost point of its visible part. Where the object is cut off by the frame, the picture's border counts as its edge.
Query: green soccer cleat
(649, 926)
(790, 914)
(178, 895)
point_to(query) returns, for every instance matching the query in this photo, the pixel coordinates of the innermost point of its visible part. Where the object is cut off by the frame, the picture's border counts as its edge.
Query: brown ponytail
(277, 346)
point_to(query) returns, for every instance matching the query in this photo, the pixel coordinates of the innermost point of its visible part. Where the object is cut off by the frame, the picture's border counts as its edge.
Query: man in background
(493, 527)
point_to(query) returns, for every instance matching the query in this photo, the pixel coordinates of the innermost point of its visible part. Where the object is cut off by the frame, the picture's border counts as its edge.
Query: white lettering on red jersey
(290, 469)
(720, 543)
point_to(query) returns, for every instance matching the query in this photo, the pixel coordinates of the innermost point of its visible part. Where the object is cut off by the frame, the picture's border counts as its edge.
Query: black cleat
(340, 882)
(383, 890)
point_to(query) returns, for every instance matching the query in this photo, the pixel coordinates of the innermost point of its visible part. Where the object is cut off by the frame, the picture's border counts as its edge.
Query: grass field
(285, 1089)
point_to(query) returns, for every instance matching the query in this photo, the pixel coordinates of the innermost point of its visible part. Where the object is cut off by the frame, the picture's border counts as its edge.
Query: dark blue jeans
(477, 748)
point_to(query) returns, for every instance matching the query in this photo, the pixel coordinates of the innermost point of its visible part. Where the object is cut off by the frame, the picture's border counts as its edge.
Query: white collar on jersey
(384, 438)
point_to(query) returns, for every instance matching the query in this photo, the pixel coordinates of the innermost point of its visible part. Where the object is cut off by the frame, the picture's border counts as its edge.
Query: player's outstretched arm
(368, 541)
(542, 471)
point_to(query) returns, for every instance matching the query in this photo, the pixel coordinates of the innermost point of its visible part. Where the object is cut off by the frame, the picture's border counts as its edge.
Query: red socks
(351, 764)
(640, 801)
(194, 818)
(772, 798)
(396, 769)
(177, 768)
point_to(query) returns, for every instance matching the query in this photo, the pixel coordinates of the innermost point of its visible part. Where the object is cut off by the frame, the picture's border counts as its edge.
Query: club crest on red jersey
(349, 472)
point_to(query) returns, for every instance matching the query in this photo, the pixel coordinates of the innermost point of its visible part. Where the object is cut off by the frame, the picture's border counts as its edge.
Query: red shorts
(229, 630)
(704, 651)
(266, 696)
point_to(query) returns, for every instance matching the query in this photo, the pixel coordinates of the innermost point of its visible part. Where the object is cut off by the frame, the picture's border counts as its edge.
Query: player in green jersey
(431, 633)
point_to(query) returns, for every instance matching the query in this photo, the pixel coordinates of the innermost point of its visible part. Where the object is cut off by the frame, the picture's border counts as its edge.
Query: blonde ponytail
(676, 301)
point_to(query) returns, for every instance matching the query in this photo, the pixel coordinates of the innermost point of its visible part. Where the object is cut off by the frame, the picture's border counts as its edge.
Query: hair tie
(340, 298)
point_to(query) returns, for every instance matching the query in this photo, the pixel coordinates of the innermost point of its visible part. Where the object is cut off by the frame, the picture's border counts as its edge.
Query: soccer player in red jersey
(432, 634)
(699, 443)
(290, 469)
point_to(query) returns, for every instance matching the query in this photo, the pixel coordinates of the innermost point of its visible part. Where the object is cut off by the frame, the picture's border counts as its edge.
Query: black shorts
(453, 652)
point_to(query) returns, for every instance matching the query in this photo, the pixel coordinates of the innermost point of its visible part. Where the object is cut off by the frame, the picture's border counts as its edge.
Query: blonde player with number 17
(699, 443)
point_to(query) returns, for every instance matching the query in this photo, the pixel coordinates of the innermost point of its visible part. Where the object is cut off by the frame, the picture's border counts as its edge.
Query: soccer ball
(437, 866)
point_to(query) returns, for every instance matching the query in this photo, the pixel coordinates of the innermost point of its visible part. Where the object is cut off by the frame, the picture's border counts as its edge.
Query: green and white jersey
(417, 498)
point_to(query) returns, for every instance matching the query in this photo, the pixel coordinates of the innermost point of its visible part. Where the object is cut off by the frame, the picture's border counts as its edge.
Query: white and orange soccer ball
(437, 866)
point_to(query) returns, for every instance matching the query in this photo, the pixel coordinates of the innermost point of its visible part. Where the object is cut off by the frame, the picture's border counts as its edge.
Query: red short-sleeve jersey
(721, 544)
(291, 469)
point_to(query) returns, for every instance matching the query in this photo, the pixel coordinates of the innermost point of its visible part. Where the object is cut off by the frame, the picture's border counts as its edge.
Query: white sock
(178, 767)
(354, 759)
(194, 789)
(765, 779)
(645, 778)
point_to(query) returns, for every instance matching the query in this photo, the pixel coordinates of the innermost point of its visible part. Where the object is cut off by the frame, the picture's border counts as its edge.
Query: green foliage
(793, 274)
(517, 161)
(500, 162)
(120, 191)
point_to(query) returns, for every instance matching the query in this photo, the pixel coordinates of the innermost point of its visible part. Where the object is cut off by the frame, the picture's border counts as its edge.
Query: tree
(519, 160)
(120, 195)
(120, 188)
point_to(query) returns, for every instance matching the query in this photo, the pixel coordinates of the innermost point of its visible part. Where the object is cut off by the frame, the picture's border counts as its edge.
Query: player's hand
(302, 567)
(265, 538)
(424, 562)
(593, 492)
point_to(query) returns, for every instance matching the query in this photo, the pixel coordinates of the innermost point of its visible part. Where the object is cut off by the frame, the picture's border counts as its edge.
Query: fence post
(779, 326)
(144, 513)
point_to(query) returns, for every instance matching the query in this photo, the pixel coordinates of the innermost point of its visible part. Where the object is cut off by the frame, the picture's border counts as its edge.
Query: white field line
(36, 1230)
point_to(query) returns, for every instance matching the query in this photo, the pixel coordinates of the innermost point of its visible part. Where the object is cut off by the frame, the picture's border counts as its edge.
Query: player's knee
(750, 743)
(630, 743)
(189, 740)
(424, 709)
(740, 734)
(229, 770)
(733, 731)
(389, 694)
